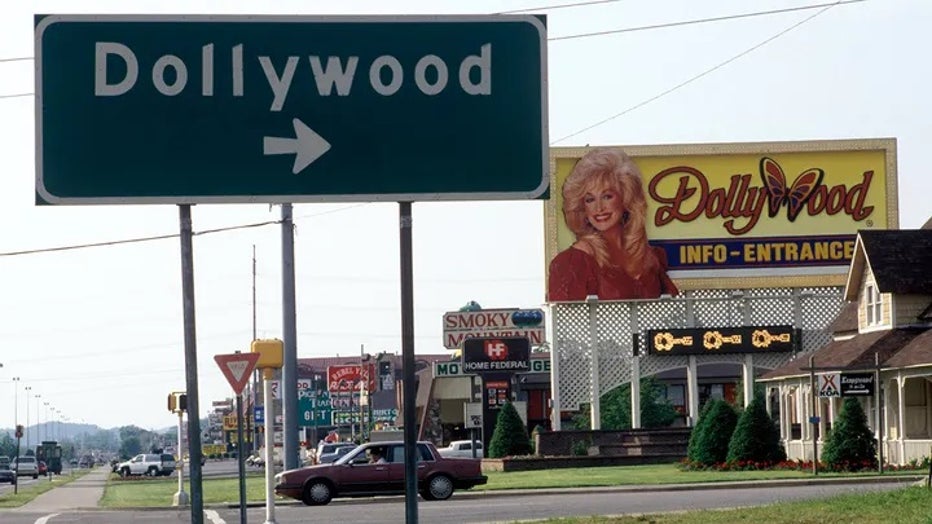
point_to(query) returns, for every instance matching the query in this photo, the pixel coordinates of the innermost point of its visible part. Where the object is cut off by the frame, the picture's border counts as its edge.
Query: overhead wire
(824, 7)
(664, 25)
(700, 75)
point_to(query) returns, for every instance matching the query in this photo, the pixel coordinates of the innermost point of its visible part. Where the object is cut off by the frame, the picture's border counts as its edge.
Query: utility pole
(253, 390)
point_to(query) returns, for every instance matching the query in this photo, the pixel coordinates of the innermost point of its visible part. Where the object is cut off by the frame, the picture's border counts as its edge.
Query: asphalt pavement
(85, 492)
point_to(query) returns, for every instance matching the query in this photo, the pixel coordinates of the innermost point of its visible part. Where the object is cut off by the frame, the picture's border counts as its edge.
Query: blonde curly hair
(615, 169)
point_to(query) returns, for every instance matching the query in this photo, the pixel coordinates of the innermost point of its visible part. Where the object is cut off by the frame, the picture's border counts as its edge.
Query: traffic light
(177, 402)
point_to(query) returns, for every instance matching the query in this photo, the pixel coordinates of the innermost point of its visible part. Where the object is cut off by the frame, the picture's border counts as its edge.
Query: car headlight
(278, 478)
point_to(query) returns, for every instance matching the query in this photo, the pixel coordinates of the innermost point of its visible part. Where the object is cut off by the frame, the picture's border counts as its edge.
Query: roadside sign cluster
(846, 384)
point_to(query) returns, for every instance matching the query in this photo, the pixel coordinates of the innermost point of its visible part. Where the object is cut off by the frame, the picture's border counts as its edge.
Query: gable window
(872, 303)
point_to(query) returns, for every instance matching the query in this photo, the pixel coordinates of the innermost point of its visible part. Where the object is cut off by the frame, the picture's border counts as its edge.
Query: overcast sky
(97, 332)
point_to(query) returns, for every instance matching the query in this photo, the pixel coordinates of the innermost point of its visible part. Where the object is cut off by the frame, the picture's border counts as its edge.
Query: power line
(135, 240)
(704, 20)
(700, 75)
(555, 7)
(600, 33)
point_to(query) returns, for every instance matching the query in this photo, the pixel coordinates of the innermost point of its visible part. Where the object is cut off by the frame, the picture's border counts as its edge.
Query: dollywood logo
(742, 202)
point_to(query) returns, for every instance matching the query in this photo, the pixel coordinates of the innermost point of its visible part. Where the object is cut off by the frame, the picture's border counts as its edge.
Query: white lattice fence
(811, 309)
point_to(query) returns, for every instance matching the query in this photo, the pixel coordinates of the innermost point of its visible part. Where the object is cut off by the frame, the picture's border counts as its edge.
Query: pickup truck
(378, 468)
(151, 464)
(461, 449)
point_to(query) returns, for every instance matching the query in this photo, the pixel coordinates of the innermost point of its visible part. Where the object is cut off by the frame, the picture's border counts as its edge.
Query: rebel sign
(496, 355)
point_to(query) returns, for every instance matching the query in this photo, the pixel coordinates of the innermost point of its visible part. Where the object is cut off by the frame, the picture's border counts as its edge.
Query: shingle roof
(847, 320)
(901, 260)
(900, 347)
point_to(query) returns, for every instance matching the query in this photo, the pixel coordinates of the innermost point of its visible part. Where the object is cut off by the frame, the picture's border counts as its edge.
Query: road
(476, 507)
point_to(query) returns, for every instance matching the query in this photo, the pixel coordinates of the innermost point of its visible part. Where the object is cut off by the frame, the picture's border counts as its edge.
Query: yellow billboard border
(887, 145)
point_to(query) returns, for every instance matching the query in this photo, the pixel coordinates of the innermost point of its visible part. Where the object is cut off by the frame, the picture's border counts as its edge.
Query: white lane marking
(45, 519)
(212, 516)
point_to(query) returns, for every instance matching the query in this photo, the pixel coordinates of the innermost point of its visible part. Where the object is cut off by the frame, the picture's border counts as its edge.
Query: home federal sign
(199, 109)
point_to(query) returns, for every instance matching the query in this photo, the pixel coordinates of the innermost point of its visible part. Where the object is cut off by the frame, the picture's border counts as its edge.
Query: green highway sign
(314, 408)
(184, 109)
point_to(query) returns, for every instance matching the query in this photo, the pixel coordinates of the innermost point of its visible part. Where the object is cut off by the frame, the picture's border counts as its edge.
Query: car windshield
(348, 456)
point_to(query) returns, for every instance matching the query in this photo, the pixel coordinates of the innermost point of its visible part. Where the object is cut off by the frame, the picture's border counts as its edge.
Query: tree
(615, 407)
(130, 447)
(756, 437)
(510, 436)
(850, 445)
(7, 445)
(708, 443)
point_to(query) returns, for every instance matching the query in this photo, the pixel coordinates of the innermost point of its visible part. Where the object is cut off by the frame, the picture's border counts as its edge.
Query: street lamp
(38, 421)
(28, 389)
(16, 408)
(45, 429)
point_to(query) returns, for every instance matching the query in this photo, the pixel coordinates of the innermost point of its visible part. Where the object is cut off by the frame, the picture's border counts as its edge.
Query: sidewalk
(82, 493)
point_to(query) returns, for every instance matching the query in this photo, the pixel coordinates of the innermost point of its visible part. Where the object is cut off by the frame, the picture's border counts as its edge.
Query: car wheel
(124, 472)
(439, 487)
(35, 476)
(153, 472)
(317, 493)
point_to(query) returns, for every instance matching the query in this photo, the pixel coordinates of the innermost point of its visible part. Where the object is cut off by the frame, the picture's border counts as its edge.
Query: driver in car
(376, 456)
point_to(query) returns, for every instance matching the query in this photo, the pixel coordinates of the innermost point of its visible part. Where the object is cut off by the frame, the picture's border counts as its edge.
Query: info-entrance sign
(200, 109)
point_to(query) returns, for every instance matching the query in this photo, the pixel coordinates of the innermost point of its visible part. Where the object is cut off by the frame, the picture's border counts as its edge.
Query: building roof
(846, 322)
(895, 348)
(899, 259)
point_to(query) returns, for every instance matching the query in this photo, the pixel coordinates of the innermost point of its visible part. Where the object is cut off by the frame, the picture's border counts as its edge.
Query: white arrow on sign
(307, 146)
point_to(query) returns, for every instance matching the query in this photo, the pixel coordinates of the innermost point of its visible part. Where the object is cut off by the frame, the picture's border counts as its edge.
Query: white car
(25, 466)
(461, 449)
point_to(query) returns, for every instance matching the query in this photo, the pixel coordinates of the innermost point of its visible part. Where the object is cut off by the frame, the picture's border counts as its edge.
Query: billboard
(722, 340)
(738, 215)
(346, 378)
(483, 323)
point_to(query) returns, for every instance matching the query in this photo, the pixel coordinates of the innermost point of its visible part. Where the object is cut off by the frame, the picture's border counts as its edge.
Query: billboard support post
(595, 412)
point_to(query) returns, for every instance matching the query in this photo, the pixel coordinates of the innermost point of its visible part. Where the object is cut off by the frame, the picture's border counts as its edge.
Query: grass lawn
(905, 506)
(145, 492)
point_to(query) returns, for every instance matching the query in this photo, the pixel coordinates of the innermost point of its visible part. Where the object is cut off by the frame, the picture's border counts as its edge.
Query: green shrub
(708, 443)
(756, 438)
(510, 437)
(580, 448)
(850, 445)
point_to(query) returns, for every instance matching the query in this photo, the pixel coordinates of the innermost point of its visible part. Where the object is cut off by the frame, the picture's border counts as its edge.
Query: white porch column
(747, 375)
(784, 416)
(901, 415)
(802, 407)
(692, 383)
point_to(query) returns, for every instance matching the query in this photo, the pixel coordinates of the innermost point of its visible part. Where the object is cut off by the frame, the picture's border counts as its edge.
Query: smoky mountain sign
(460, 325)
(139, 109)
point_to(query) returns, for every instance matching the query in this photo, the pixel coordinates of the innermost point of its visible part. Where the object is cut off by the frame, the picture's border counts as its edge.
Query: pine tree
(708, 443)
(756, 437)
(850, 445)
(510, 437)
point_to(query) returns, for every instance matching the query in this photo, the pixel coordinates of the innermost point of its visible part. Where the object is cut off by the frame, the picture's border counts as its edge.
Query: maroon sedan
(378, 468)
